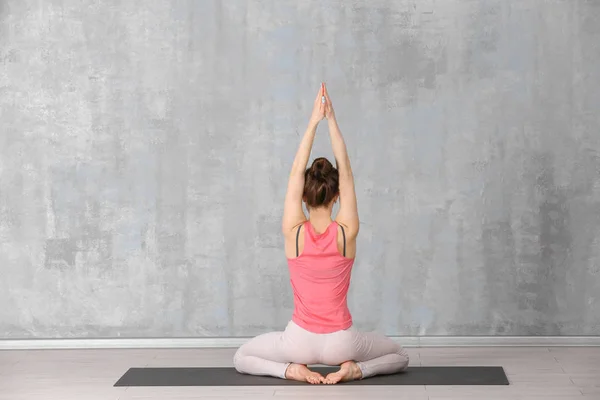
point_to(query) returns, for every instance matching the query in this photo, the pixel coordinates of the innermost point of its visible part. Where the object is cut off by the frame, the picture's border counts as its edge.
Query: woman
(320, 255)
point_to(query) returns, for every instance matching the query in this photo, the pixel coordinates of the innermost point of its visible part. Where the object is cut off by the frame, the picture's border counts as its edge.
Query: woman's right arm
(348, 212)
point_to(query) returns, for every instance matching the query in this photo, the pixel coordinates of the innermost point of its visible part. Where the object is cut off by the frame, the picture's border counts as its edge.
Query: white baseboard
(234, 342)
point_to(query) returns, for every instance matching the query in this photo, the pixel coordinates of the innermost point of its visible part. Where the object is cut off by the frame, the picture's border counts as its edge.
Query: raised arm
(348, 212)
(293, 215)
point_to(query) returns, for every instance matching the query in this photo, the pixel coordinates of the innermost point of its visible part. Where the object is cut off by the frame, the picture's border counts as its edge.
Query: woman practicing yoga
(320, 255)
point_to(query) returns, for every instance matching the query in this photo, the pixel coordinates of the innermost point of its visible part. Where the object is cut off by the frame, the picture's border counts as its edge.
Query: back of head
(321, 183)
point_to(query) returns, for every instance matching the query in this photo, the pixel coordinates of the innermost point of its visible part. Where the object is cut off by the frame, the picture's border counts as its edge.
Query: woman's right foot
(349, 371)
(299, 372)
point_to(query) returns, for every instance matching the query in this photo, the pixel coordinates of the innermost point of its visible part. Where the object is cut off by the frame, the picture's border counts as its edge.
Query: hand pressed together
(318, 112)
(322, 107)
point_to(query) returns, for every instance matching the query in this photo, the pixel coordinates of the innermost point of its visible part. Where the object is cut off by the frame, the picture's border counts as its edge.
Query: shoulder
(294, 231)
(350, 232)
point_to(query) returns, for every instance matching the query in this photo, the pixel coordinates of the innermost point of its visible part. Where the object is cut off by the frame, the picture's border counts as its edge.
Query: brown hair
(321, 183)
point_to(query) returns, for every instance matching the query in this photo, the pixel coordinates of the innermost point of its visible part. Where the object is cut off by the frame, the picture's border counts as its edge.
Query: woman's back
(320, 256)
(320, 277)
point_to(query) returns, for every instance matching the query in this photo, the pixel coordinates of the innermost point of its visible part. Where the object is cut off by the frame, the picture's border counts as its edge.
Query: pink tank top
(320, 278)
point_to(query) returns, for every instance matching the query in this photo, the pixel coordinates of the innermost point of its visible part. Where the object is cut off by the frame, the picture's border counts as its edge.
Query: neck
(320, 217)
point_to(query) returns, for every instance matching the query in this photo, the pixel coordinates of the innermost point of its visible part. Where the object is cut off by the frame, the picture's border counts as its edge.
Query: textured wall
(145, 146)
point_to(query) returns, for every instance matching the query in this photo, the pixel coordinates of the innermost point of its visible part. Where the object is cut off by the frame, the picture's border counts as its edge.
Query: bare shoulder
(346, 240)
(289, 233)
(291, 238)
(350, 232)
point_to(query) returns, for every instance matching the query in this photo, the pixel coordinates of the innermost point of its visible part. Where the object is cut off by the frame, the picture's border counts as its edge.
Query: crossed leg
(271, 354)
(369, 354)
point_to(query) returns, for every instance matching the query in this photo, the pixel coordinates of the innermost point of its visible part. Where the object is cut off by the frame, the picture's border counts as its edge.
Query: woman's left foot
(299, 372)
(349, 371)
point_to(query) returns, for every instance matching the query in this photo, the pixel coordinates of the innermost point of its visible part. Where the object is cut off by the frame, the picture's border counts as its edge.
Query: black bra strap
(297, 236)
(344, 235)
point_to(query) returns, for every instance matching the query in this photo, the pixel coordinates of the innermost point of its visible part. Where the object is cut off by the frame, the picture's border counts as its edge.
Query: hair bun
(320, 167)
(321, 183)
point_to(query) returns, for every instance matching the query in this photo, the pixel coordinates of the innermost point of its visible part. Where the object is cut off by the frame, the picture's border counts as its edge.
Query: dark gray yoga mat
(230, 377)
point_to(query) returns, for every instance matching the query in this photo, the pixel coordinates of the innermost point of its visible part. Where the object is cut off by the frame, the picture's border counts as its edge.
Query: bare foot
(349, 371)
(299, 372)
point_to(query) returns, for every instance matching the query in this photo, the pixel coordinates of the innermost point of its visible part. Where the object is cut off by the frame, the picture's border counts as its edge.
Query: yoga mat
(230, 377)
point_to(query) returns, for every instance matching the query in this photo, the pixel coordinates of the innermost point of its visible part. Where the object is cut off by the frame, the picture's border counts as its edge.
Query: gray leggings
(271, 353)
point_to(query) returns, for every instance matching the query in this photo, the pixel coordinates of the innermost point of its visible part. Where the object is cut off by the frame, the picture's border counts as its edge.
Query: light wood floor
(534, 373)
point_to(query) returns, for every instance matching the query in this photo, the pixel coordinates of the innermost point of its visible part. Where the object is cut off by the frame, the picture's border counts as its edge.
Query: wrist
(312, 125)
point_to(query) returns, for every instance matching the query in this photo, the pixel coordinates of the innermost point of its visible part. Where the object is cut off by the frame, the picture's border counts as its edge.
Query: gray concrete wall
(145, 146)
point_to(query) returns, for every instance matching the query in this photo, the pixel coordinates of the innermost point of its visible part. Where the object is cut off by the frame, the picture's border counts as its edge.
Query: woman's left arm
(293, 215)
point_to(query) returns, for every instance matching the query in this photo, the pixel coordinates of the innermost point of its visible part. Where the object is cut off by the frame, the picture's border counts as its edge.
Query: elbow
(297, 177)
(346, 183)
(284, 226)
(354, 229)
